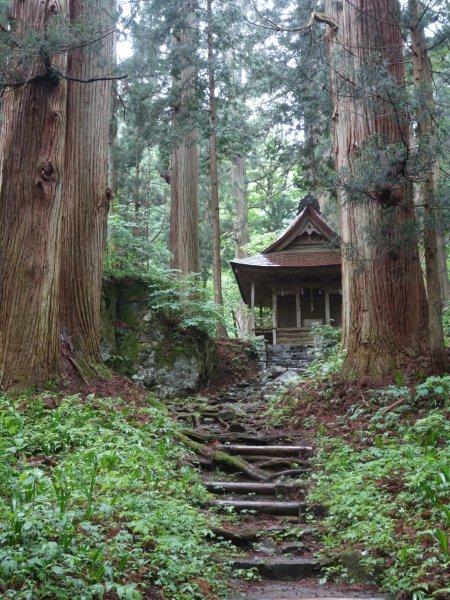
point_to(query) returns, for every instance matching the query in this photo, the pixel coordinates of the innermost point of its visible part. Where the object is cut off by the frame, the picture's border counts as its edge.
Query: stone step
(246, 533)
(240, 438)
(280, 567)
(249, 487)
(244, 450)
(279, 463)
(269, 507)
(290, 364)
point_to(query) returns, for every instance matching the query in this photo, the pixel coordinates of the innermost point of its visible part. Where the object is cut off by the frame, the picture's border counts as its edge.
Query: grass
(96, 501)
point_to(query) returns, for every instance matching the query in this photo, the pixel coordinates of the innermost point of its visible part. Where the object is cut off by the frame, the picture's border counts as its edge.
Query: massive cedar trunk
(241, 234)
(86, 195)
(423, 83)
(384, 316)
(214, 175)
(183, 234)
(30, 207)
(443, 268)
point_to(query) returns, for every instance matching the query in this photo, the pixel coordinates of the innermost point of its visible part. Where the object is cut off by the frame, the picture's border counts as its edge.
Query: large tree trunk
(423, 83)
(86, 194)
(214, 175)
(443, 269)
(241, 234)
(384, 317)
(183, 234)
(30, 208)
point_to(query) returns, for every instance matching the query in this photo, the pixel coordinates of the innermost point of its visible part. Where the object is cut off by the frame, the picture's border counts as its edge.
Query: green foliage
(389, 499)
(446, 317)
(322, 367)
(94, 499)
(183, 301)
(128, 254)
(434, 388)
(280, 408)
(328, 354)
(326, 336)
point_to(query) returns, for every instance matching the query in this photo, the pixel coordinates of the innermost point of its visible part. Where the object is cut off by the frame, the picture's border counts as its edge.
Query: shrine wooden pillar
(298, 309)
(252, 307)
(274, 316)
(327, 308)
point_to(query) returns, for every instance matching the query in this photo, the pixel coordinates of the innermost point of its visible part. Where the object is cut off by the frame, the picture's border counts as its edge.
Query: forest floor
(102, 488)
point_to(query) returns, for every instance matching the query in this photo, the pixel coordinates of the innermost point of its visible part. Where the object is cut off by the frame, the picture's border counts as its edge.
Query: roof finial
(308, 200)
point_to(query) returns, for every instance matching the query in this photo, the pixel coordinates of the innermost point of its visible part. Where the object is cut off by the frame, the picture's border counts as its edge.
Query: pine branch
(53, 76)
(93, 79)
(317, 17)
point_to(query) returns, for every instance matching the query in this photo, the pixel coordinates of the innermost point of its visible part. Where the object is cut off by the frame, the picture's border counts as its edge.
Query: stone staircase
(271, 530)
(267, 509)
(263, 511)
(289, 357)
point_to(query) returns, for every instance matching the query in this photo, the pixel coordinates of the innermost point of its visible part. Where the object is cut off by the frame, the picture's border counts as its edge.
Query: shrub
(183, 301)
(435, 388)
(326, 336)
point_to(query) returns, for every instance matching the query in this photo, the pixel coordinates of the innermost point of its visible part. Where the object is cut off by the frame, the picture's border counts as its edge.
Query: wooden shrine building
(294, 282)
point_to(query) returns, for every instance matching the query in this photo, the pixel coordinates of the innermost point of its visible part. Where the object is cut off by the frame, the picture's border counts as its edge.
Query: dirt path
(265, 514)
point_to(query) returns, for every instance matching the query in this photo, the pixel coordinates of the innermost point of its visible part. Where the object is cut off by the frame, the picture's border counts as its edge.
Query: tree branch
(315, 16)
(93, 79)
(53, 75)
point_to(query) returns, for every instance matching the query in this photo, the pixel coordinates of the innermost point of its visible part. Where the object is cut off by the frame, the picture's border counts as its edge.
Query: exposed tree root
(286, 472)
(239, 539)
(204, 436)
(88, 369)
(218, 457)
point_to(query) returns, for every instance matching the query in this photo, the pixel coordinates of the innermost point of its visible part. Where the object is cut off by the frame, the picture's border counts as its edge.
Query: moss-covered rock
(139, 343)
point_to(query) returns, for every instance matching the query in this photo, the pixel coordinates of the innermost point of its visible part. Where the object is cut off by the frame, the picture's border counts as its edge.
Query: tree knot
(48, 171)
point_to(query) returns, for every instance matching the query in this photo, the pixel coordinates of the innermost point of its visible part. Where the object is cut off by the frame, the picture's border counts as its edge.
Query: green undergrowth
(96, 501)
(446, 317)
(387, 500)
(381, 472)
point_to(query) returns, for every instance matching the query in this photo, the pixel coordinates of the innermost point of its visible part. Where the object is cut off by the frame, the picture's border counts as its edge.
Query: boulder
(138, 342)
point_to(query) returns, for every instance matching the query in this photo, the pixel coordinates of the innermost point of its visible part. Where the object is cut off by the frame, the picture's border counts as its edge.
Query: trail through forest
(263, 497)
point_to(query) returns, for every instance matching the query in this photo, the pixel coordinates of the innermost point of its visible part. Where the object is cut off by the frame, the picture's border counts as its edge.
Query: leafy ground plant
(387, 497)
(95, 500)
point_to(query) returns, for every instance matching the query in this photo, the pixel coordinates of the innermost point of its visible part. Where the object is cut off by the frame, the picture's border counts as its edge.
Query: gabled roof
(308, 216)
(280, 255)
(289, 260)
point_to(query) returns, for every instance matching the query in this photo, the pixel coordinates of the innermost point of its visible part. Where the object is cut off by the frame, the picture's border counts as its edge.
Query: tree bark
(183, 233)
(443, 270)
(423, 83)
(214, 175)
(30, 211)
(384, 315)
(86, 195)
(241, 234)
